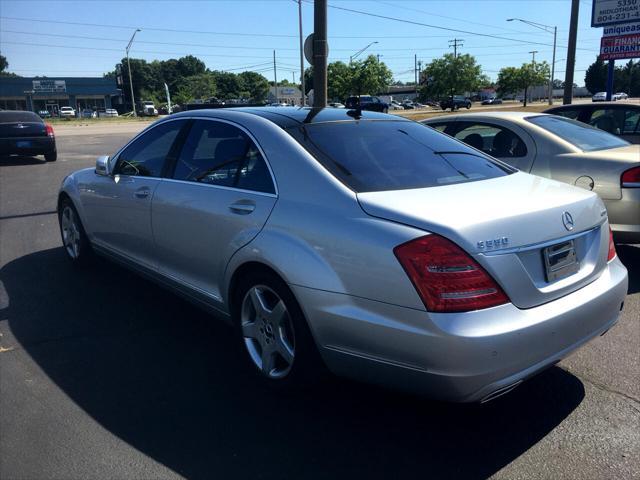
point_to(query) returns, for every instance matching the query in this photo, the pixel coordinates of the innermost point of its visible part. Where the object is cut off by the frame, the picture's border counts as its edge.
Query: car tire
(468, 106)
(385, 110)
(272, 332)
(51, 157)
(75, 242)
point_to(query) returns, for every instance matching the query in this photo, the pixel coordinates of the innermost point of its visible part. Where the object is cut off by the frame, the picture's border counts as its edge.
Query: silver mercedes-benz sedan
(359, 241)
(563, 149)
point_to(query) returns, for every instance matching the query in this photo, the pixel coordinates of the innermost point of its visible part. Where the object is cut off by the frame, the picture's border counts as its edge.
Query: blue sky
(236, 34)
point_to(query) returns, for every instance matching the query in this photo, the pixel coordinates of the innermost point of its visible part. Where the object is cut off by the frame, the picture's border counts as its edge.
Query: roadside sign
(623, 29)
(621, 46)
(308, 48)
(613, 12)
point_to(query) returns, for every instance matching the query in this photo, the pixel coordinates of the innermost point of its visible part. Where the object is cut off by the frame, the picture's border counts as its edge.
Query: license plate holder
(23, 144)
(560, 260)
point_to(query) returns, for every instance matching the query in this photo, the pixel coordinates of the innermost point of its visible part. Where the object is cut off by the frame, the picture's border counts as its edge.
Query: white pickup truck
(67, 112)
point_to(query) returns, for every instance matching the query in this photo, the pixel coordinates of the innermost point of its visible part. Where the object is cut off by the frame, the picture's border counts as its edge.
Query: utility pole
(275, 77)
(455, 43)
(320, 51)
(533, 52)
(302, 102)
(415, 71)
(571, 53)
(133, 100)
(553, 65)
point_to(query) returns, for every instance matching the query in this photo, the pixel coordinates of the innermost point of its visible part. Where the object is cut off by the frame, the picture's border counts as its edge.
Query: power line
(456, 30)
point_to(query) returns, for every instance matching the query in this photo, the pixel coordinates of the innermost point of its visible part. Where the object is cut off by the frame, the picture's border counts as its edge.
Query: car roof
(515, 116)
(589, 106)
(286, 117)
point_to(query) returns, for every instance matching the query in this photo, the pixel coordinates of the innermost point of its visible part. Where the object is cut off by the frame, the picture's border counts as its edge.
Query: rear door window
(492, 139)
(608, 119)
(379, 155)
(631, 121)
(217, 153)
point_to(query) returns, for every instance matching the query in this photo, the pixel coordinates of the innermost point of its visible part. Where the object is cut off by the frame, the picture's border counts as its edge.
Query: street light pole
(133, 100)
(359, 52)
(546, 28)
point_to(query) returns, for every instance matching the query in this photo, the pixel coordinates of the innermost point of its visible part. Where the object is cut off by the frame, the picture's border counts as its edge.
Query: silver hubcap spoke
(268, 331)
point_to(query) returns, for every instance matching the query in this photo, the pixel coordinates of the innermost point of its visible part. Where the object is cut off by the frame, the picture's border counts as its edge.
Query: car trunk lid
(506, 223)
(22, 129)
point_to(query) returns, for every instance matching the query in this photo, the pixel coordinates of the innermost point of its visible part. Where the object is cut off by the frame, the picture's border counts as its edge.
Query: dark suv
(454, 102)
(367, 102)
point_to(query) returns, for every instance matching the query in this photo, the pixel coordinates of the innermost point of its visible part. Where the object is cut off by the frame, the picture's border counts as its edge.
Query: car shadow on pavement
(630, 257)
(164, 377)
(17, 160)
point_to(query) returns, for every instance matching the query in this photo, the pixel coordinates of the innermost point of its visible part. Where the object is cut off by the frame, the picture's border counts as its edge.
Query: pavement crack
(601, 386)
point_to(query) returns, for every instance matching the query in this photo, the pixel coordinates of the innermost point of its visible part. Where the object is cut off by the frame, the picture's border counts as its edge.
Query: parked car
(26, 134)
(492, 101)
(336, 105)
(621, 119)
(561, 149)
(88, 113)
(408, 105)
(44, 113)
(394, 105)
(599, 97)
(67, 112)
(506, 276)
(366, 102)
(620, 96)
(455, 102)
(110, 112)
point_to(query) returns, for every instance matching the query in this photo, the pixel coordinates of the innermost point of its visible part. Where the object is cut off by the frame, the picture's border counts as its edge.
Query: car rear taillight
(612, 248)
(446, 277)
(50, 130)
(631, 178)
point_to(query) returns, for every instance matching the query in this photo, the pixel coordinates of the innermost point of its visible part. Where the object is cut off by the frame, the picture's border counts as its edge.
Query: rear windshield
(18, 116)
(370, 156)
(583, 136)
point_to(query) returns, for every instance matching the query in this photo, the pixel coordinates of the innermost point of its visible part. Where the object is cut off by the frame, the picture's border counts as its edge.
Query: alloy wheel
(268, 332)
(70, 232)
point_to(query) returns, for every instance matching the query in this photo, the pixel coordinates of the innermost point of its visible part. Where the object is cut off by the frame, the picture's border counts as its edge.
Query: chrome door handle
(242, 208)
(142, 193)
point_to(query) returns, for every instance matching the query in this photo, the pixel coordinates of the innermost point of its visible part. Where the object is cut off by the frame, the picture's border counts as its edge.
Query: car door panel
(118, 207)
(218, 200)
(199, 227)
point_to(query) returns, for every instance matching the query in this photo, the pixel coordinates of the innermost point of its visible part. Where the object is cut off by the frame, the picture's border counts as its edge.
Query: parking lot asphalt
(105, 375)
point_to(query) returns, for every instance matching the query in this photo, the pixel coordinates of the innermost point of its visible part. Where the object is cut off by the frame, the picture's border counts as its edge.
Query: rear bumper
(27, 146)
(458, 357)
(624, 216)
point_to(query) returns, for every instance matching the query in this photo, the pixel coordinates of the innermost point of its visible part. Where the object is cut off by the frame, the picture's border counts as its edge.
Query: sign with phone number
(613, 12)
(623, 46)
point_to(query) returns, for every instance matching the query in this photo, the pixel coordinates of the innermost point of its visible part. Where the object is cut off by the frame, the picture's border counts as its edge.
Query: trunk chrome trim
(536, 246)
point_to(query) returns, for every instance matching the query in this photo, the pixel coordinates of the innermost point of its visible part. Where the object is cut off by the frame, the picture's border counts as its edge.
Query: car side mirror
(102, 166)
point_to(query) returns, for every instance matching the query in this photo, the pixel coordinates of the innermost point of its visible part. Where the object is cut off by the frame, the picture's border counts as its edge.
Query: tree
(451, 75)
(190, 65)
(514, 79)
(595, 78)
(338, 81)
(227, 84)
(142, 77)
(256, 85)
(4, 64)
(202, 86)
(308, 80)
(367, 77)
